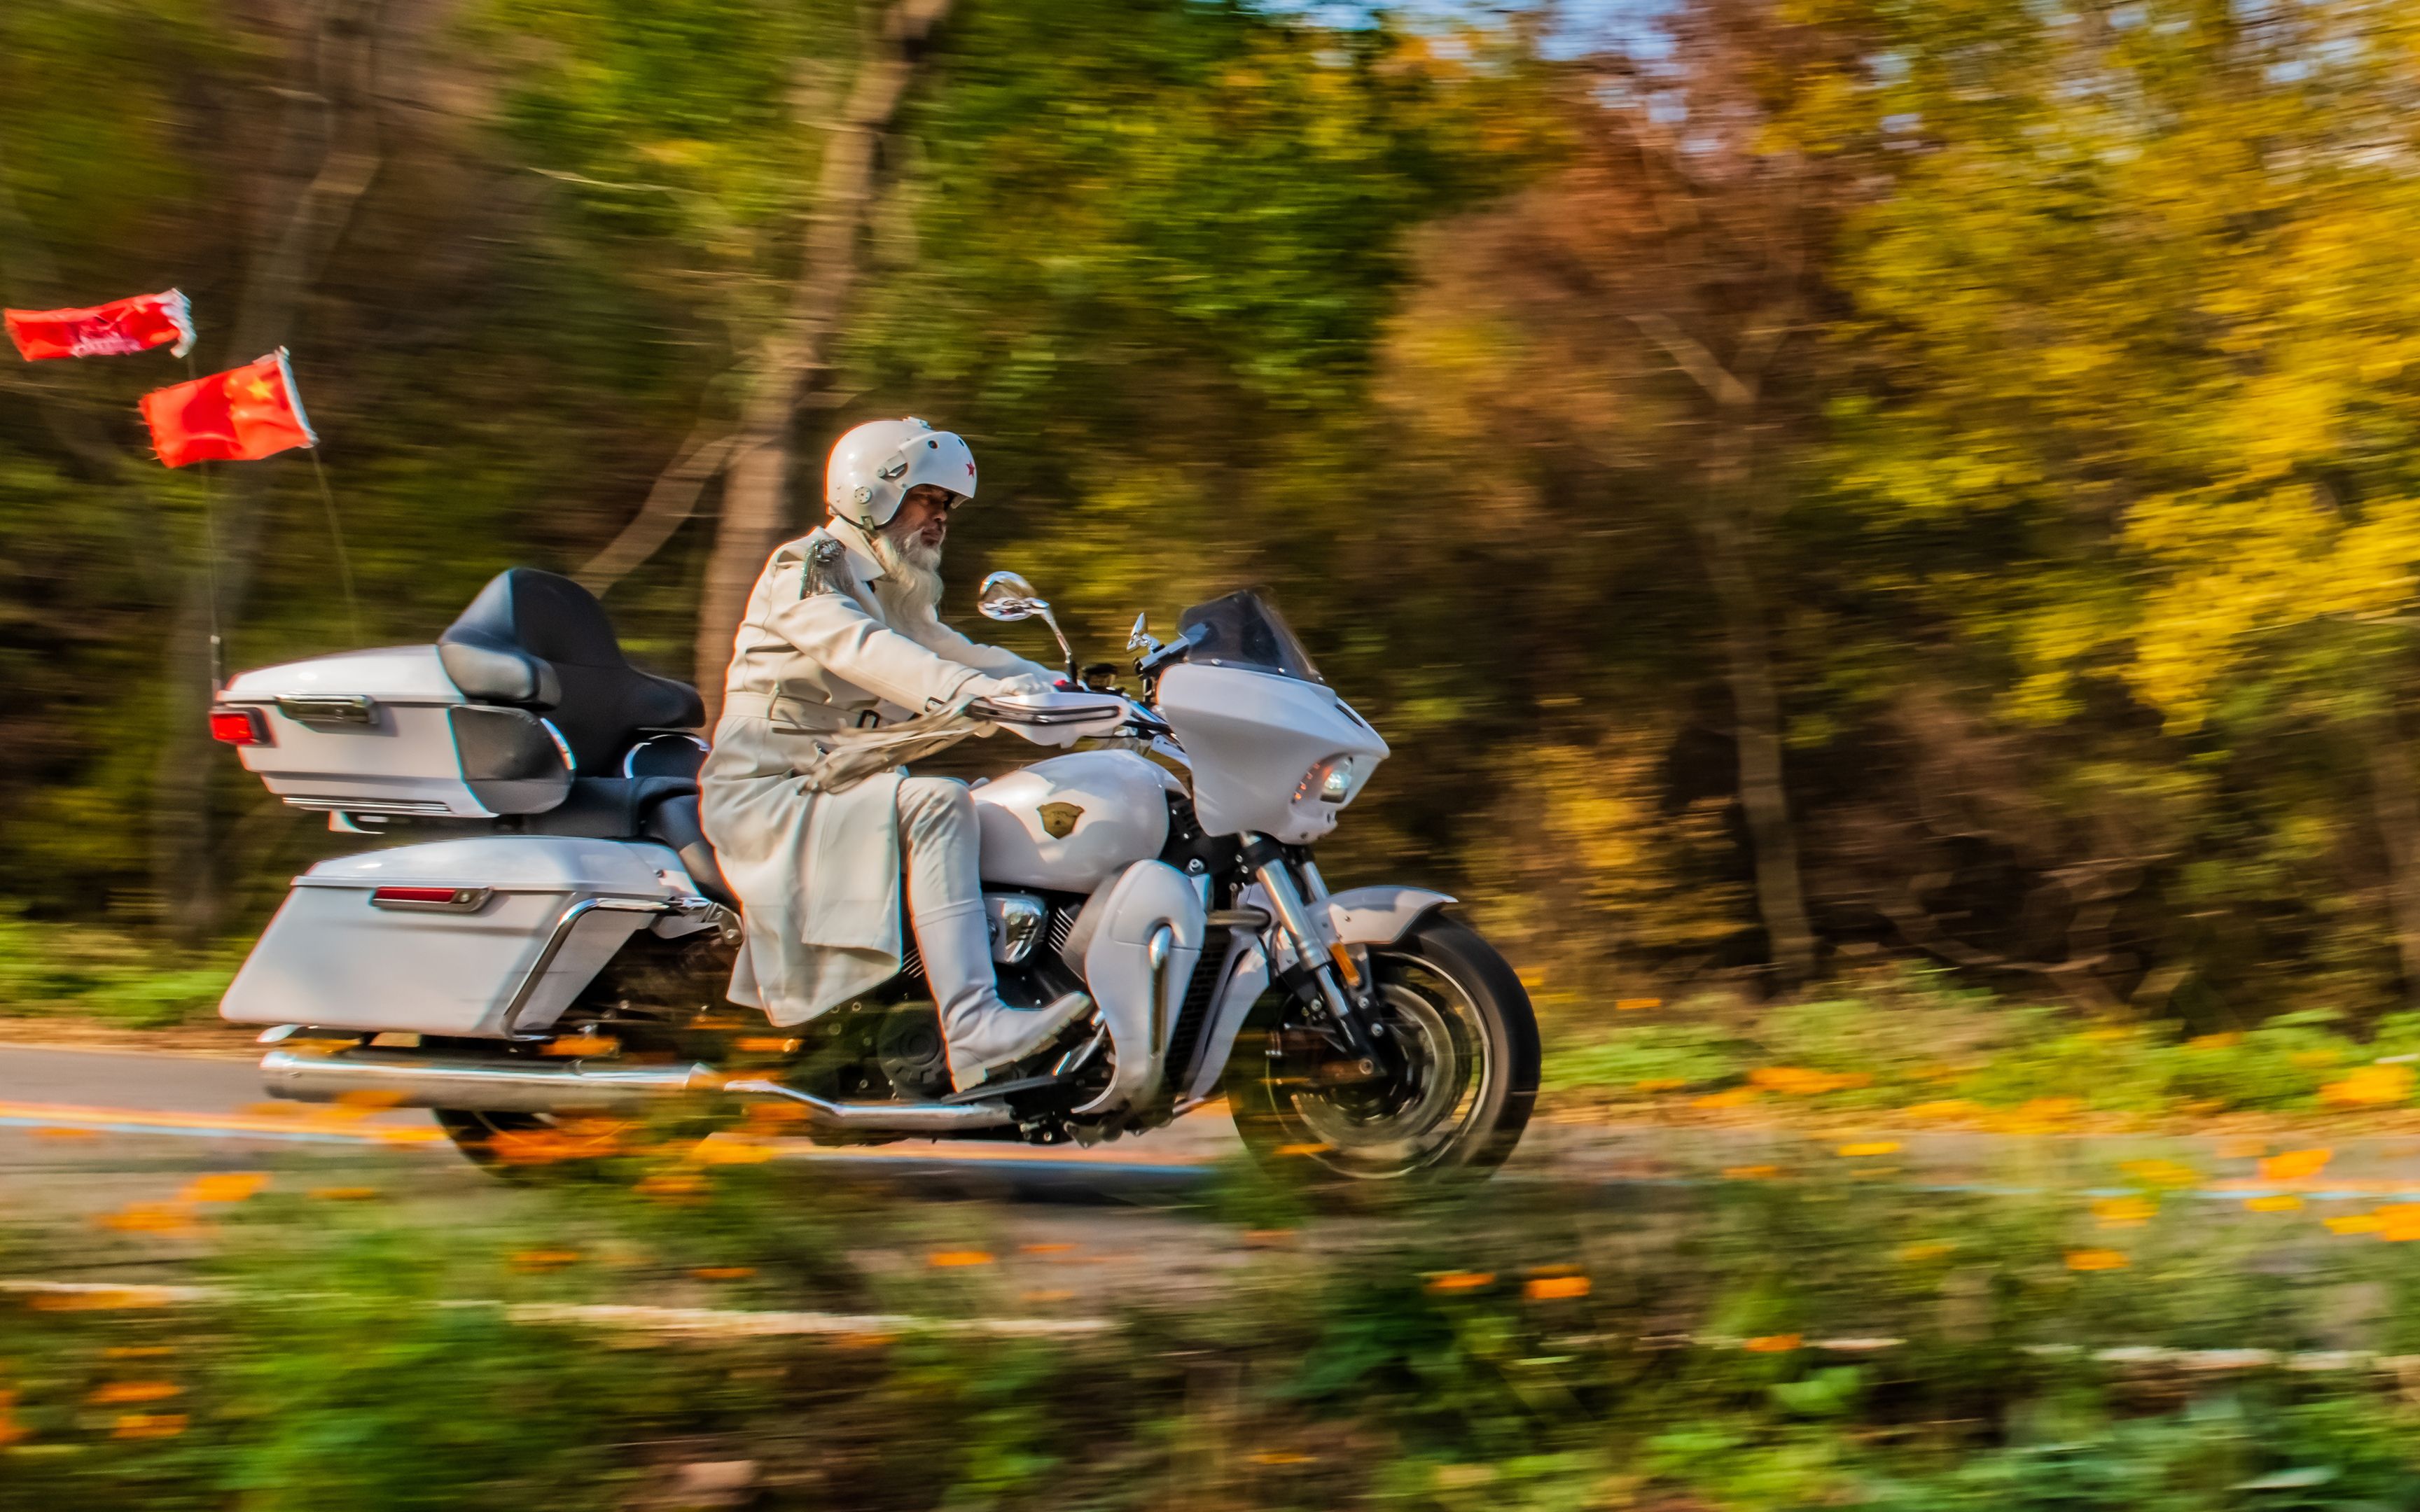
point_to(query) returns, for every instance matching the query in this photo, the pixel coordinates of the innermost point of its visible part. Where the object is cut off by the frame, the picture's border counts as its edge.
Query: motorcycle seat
(538, 641)
(660, 809)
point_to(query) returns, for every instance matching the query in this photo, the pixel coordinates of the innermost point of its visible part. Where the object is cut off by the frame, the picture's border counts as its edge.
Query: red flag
(117, 329)
(239, 415)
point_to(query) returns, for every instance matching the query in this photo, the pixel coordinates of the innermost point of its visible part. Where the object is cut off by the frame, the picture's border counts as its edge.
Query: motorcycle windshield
(1245, 630)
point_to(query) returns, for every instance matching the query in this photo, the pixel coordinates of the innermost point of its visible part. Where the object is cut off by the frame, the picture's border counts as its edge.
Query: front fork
(1339, 984)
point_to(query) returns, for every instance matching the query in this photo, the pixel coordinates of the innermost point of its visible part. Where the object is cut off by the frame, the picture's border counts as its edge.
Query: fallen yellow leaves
(226, 1186)
(1282, 1457)
(149, 1425)
(956, 1258)
(126, 1392)
(12, 1431)
(541, 1260)
(1868, 1148)
(151, 1218)
(1751, 1173)
(2124, 1212)
(1771, 1344)
(723, 1273)
(1462, 1281)
(2097, 1260)
(2370, 1087)
(1556, 1287)
(580, 1044)
(1635, 1005)
(1738, 1097)
(1918, 1254)
(733, 1150)
(2274, 1202)
(2295, 1165)
(110, 1299)
(1797, 1081)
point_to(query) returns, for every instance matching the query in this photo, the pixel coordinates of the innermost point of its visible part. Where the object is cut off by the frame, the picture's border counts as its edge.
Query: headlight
(1330, 781)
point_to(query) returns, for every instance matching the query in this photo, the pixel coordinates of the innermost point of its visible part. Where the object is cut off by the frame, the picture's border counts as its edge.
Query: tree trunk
(2396, 801)
(1757, 731)
(756, 511)
(329, 133)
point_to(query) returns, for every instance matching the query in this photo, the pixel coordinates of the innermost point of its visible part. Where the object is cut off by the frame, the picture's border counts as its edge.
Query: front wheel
(1468, 1042)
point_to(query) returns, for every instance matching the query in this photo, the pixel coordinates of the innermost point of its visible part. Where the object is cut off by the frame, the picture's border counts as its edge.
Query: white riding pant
(940, 849)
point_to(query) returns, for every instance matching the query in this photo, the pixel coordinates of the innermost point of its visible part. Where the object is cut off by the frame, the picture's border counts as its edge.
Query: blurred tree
(2134, 304)
(1642, 312)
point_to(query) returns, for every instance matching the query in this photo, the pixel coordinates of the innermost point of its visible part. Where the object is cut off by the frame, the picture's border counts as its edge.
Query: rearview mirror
(1007, 596)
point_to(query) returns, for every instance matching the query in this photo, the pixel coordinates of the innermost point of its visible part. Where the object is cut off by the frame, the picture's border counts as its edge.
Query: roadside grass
(60, 971)
(1912, 1043)
(1810, 1332)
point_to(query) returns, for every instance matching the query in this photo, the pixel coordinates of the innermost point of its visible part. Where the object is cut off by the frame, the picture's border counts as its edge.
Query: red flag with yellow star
(239, 415)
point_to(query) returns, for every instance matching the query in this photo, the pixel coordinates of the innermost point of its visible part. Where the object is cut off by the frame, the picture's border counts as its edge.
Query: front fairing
(1253, 737)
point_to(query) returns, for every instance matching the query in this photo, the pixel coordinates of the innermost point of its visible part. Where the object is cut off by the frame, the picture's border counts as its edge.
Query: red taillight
(239, 727)
(451, 900)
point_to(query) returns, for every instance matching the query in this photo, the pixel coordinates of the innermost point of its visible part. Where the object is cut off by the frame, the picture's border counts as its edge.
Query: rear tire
(1470, 1037)
(534, 1147)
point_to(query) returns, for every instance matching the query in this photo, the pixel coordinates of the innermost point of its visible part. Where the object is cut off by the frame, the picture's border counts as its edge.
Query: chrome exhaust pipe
(406, 1079)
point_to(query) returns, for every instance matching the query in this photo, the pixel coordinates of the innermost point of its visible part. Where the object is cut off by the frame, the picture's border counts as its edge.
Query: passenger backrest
(537, 640)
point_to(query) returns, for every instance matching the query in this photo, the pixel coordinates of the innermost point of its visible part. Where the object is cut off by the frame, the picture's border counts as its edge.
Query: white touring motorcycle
(554, 947)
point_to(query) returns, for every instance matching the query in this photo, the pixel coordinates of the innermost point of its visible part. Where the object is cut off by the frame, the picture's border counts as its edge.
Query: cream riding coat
(815, 864)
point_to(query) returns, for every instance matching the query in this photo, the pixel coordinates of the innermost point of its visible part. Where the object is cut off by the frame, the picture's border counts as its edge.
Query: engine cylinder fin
(1063, 925)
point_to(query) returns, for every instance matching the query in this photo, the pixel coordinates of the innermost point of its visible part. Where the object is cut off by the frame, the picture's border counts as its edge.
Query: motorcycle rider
(839, 640)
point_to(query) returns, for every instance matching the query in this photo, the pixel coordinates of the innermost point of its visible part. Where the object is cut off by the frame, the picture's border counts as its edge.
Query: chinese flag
(117, 329)
(241, 415)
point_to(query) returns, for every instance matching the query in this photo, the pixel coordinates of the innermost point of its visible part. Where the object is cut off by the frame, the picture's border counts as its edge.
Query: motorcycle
(549, 946)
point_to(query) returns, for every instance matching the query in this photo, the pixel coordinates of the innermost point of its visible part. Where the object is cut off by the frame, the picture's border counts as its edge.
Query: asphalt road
(76, 1123)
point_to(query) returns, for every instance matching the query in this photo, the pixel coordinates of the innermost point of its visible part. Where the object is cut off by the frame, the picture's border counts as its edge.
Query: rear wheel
(1467, 1040)
(541, 1146)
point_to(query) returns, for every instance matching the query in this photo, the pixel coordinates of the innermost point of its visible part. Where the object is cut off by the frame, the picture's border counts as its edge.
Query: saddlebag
(488, 938)
(387, 731)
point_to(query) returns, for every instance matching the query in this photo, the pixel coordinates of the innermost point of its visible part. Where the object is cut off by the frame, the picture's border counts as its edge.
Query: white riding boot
(983, 1033)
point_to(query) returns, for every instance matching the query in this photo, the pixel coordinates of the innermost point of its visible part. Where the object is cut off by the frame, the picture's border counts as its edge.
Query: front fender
(1358, 915)
(1381, 915)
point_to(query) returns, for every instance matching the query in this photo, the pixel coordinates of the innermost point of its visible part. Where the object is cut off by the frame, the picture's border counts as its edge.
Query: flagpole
(210, 566)
(336, 534)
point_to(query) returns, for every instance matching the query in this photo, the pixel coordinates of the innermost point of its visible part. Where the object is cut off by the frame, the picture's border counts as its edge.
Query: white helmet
(873, 466)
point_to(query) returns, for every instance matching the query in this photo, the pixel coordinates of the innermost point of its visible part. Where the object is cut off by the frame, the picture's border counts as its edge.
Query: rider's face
(924, 515)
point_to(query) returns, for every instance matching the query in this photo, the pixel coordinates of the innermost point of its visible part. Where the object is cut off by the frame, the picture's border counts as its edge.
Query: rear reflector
(239, 727)
(441, 900)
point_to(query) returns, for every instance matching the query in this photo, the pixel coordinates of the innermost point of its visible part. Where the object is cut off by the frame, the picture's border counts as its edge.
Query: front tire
(1469, 1041)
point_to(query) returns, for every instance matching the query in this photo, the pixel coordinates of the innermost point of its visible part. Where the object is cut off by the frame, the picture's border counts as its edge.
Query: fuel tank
(1068, 824)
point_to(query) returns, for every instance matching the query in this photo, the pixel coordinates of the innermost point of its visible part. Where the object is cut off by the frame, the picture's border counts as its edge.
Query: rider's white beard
(911, 574)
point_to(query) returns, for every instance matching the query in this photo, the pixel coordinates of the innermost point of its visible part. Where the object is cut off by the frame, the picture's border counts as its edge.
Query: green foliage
(1827, 1337)
(56, 968)
(1910, 1041)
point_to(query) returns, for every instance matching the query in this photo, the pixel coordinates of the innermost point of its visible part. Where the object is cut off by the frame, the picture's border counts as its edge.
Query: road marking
(688, 1322)
(209, 1125)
